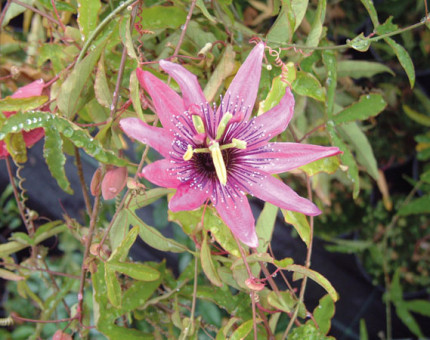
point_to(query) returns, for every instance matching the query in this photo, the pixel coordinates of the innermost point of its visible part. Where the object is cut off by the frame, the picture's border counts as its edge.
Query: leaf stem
(35, 10)
(82, 181)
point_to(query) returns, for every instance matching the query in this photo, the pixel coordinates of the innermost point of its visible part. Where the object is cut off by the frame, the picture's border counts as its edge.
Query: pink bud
(113, 182)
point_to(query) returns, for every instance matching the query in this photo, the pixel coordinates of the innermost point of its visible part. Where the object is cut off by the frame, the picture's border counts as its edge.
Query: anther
(189, 153)
(218, 161)
(223, 124)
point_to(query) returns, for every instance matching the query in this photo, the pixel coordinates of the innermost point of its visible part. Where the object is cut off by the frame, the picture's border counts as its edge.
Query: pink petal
(191, 91)
(3, 150)
(278, 193)
(276, 120)
(113, 182)
(187, 198)
(33, 136)
(31, 90)
(238, 216)
(288, 156)
(158, 138)
(245, 84)
(160, 173)
(166, 101)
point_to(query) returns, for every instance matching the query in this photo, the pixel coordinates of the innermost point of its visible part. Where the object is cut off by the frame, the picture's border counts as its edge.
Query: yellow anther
(240, 144)
(188, 154)
(219, 164)
(198, 124)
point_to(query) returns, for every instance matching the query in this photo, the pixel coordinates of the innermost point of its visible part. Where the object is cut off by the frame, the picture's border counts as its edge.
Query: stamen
(223, 125)
(198, 124)
(219, 164)
(189, 153)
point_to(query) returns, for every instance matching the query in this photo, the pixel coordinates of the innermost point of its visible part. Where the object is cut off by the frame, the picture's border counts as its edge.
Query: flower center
(213, 146)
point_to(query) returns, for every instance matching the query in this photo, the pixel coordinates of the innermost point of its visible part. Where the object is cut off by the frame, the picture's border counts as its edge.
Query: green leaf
(330, 62)
(88, 14)
(363, 330)
(208, 263)
(418, 306)
(357, 69)
(265, 226)
(387, 27)
(323, 313)
(308, 85)
(136, 271)
(113, 287)
(153, 237)
(359, 43)
(16, 147)
(79, 137)
(162, 17)
(22, 104)
(277, 91)
(71, 93)
(417, 206)
(307, 331)
(137, 199)
(367, 106)
(347, 159)
(317, 277)
(420, 118)
(10, 276)
(372, 11)
(404, 59)
(59, 5)
(408, 320)
(101, 86)
(135, 96)
(55, 159)
(14, 10)
(300, 223)
(348, 246)
(283, 28)
(299, 8)
(327, 164)
(126, 38)
(121, 251)
(353, 134)
(242, 331)
(316, 32)
(283, 301)
(201, 5)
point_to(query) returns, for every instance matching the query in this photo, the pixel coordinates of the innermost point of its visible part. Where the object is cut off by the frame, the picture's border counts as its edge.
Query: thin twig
(3, 13)
(84, 187)
(39, 269)
(35, 10)
(16, 317)
(57, 15)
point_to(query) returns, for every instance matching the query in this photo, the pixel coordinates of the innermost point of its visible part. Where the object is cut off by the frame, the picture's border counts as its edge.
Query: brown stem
(306, 135)
(3, 13)
(84, 187)
(58, 17)
(16, 317)
(88, 241)
(39, 269)
(35, 10)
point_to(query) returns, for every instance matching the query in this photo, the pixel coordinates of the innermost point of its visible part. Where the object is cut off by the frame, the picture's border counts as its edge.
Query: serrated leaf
(154, 238)
(420, 118)
(328, 165)
(323, 313)
(316, 32)
(359, 43)
(136, 271)
(101, 86)
(55, 159)
(404, 59)
(372, 11)
(365, 156)
(16, 147)
(242, 331)
(317, 277)
(121, 251)
(113, 287)
(69, 99)
(78, 136)
(367, 106)
(88, 14)
(299, 222)
(308, 85)
(299, 8)
(417, 206)
(357, 69)
(22, 104)
(208, 265)
(283, 28)
(162, 17)
(265, 226)
(347, 159)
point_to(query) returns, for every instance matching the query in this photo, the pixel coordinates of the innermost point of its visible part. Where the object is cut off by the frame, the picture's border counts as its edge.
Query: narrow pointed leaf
(404, 59)
(125, 34)
(101, 86)
(134, 95)
(417, 206)
(120, 253)
(208, 265)
(300, 223)
(420, 118)
(308, 85)
(367, 106)
(317, 277)
(328, 165)
(315, 34)
(265, 225)
(299, 9)
(283, 28)
(113, 287)
(361, 69)
(22, 104)
(242, 331)
(372, 11)
(10, 276)
(55, 159)
(136, 271)
(88, 14)
(16, 147)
